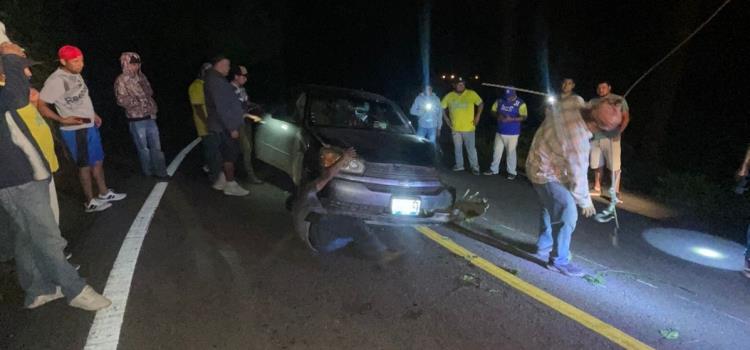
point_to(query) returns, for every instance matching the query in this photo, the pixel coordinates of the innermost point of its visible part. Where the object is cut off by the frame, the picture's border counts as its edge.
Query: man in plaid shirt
(557, 166)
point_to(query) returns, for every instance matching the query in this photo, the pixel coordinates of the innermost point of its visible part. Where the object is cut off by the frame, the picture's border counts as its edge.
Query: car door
(278, 142)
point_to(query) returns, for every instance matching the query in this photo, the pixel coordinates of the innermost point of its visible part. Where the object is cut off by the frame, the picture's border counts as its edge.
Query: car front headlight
(355, 166)
(329, 156)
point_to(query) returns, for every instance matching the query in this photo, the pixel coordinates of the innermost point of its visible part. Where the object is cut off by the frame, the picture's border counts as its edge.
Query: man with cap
(79, 126)
(510, 111)
(43, 272)
(461, 110)
(557, 166)
(425, 107)
(238, 78)
(225, 117)
(133, 92)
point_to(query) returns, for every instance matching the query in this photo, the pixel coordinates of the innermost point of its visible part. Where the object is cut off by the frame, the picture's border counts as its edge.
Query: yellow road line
(615, 335)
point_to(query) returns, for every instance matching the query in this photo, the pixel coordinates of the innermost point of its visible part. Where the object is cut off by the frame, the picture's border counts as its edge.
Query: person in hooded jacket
(134, 94)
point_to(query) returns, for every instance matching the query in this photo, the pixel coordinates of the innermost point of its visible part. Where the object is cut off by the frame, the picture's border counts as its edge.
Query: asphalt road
(216, 272)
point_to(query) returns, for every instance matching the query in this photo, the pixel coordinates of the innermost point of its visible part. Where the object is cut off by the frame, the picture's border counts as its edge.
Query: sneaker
(234, 189)
(568, 269)
(595, 192)
(111, 196)
(220, 182)
(90, 300)
(489, 173)
(455, 168)
(43, 299)
(511, 177)
(96, 205)
(475, 172)
(746, 272)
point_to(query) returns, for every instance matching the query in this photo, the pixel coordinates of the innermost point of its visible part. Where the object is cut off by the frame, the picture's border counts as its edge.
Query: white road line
(105, 332)
(181, 156)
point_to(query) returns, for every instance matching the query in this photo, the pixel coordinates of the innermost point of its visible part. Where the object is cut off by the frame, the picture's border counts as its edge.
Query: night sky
(689, 115)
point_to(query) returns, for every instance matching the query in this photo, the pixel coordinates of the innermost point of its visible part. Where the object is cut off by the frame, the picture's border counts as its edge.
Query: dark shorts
(229, 148)
(84, 145)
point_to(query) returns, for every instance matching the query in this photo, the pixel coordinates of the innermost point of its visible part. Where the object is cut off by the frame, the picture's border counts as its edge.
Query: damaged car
(392, 180)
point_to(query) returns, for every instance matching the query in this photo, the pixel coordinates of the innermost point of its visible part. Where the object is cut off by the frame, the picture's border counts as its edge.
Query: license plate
(405, 206)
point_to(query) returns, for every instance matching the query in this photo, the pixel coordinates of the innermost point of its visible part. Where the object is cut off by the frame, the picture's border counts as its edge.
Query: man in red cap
(79, 123)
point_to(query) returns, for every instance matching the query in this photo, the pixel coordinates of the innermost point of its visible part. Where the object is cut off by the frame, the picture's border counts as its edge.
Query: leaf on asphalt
(513, 272)
(669, 333)
(596, 280)
(471, 279)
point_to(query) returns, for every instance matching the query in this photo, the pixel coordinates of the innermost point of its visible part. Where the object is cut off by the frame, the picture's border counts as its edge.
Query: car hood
(382, 147)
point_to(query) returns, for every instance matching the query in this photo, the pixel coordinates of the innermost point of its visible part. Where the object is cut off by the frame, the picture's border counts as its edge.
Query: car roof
(310, 88)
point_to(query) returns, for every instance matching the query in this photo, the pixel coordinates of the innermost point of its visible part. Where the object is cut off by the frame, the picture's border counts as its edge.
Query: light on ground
(708, 252)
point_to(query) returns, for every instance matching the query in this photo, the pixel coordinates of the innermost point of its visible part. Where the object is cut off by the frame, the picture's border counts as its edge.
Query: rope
(670, 53)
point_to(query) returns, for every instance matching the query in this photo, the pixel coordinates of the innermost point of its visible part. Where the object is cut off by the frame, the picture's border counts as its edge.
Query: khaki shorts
(605, 149)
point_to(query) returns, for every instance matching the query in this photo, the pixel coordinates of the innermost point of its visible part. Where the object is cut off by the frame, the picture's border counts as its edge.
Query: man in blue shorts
(66, 90)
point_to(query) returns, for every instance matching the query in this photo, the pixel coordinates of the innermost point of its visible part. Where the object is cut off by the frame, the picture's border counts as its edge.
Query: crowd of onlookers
(573, 136)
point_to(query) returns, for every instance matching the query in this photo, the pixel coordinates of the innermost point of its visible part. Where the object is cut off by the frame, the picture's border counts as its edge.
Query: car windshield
(355, 113)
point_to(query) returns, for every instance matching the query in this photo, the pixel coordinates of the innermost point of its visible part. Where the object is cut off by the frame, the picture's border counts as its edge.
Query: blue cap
(509, 93)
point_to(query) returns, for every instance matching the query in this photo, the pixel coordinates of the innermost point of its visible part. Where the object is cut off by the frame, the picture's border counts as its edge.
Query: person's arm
(745, 166)
(479, 109)
(123, 97)
(415, 110)
(15, 94)
(576, 151)
(523, 112)
(330, 172)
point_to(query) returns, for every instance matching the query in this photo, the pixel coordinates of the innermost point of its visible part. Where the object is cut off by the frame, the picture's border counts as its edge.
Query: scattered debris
(494, 291)
(669, 333)
(513, 272)
(471, 279)
(596, 279)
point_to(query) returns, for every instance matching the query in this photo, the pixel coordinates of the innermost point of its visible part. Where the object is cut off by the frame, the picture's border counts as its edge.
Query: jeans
(6, 238)
(146, 139)
(427, 133)
(467, 139)
(558, 221)
(38, 245)
(503, 142)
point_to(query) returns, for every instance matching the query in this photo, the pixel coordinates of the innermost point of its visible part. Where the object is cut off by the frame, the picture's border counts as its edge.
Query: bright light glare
(443, 76)
(707, 252)
(551, 99)
(428, 106)
(476, 77)
(453, 76)
(402, 206)
(284, 126)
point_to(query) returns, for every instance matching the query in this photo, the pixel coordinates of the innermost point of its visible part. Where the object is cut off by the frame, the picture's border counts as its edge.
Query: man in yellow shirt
(198, 104)
(461, 110)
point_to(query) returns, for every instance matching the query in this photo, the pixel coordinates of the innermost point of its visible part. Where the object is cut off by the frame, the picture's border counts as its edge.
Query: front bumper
(370, 199)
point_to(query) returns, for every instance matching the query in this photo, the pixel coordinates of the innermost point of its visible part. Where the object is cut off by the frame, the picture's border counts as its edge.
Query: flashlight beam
(517, 89)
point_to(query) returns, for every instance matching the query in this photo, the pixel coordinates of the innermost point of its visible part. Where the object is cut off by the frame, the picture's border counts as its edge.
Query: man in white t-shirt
(66, 90)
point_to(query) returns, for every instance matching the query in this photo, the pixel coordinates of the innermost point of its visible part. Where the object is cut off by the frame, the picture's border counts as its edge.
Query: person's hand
(72, 120)
(742, 172)
(234, 134)
(9, 48)
(254, 118)
(588, 211)
(97, 121)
